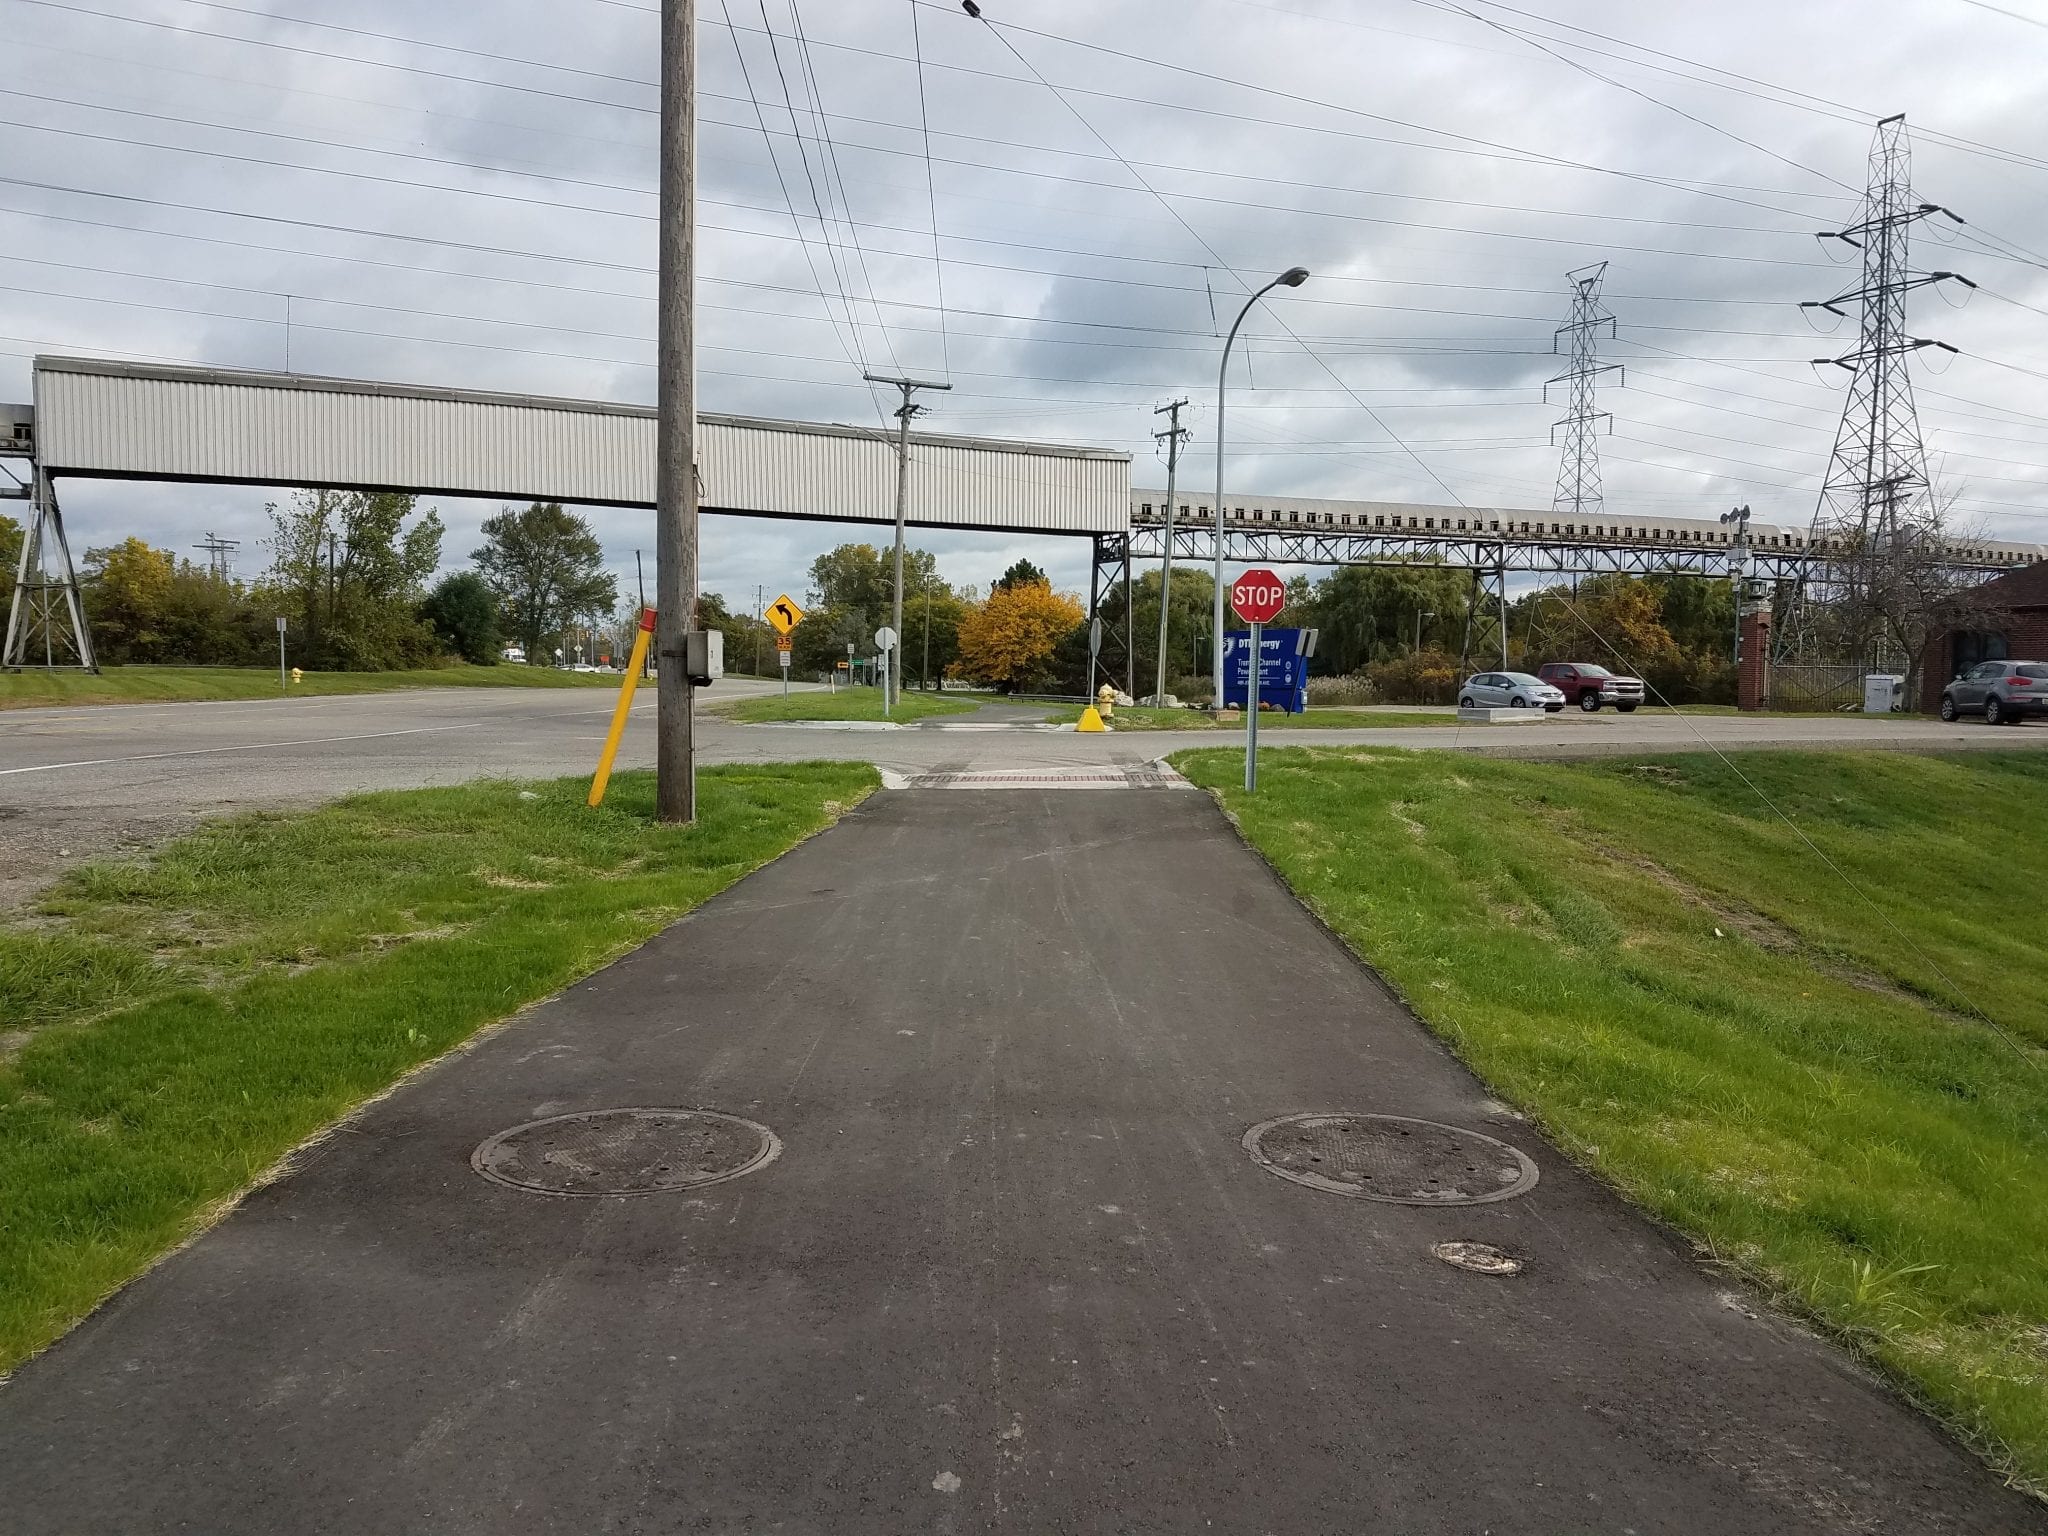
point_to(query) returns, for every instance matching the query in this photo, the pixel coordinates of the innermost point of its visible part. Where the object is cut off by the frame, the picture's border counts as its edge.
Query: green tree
(931, 632)
(11, 535)
(546, 567)
(127, 588)
(1187, 641)
(351, 568)
(1022, 574)
(213, 623)
(1371, 613)
(749, 642)
(464, 614)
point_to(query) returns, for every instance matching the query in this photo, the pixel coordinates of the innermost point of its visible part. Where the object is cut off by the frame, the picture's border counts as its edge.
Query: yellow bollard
(1091, 722)
(625, 707)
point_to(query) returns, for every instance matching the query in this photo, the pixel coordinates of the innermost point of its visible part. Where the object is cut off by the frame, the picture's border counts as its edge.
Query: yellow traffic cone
(1091, 721)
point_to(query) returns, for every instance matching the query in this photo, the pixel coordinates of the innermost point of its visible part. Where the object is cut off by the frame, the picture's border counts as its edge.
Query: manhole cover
(625, 1152)
(1480, 1258)
(1389, 1157)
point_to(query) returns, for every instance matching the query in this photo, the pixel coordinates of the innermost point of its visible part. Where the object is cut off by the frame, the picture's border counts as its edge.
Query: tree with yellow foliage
(1009, 641)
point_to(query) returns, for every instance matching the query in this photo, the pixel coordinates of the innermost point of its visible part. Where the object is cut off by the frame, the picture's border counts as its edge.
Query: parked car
(1510, 690)
(2004, 692)
(1589, 686)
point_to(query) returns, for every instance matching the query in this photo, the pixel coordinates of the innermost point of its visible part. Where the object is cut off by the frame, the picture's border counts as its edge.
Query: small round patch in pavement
(1390, 1158)
(625, 1152)
(1479, 1258)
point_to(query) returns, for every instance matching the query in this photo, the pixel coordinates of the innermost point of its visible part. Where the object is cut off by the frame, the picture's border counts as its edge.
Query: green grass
(1136, 717)
(146, 685)
(192, 1018)
(1654, 966)
(846, 704)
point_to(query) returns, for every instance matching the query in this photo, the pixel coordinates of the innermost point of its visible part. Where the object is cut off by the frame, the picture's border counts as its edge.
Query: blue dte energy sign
(1283, 668)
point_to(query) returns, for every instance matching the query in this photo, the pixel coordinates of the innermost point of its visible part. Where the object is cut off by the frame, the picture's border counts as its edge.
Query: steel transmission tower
(1578, 476)
(1876, 504)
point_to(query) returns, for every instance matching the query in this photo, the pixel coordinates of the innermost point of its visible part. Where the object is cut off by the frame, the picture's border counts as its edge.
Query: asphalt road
(1012, 1271)
(78, 782)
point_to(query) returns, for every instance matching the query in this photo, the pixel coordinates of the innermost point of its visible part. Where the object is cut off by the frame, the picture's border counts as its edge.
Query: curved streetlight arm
(1293, 277)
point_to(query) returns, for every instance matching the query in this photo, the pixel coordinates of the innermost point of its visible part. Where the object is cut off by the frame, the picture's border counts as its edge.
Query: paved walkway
(1012, 1271)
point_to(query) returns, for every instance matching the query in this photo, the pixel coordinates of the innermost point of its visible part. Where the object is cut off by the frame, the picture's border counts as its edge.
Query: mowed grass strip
(190, 1019)
(1654, 966)
(157, 685)
(845, 704)
(1138, 717)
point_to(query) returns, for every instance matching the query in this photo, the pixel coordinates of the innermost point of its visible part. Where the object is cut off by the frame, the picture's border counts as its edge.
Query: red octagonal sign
(1258, 596)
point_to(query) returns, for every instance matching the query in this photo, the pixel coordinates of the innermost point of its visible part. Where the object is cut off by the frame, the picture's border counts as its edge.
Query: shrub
(1353, 688)
(1421, 677)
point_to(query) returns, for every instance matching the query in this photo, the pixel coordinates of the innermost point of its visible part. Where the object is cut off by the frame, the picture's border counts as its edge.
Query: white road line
(254, 746)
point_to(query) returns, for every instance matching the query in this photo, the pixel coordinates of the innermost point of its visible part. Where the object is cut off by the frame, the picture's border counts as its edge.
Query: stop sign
(1258, 596)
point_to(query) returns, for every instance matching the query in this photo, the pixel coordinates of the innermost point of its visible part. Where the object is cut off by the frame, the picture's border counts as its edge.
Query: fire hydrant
(297, 675)
(1105, 702)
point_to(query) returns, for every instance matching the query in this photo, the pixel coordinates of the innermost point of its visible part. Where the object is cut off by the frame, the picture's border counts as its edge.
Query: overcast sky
(1104, 181)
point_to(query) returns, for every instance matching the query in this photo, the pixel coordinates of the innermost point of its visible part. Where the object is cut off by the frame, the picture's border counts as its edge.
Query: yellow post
(625, 707)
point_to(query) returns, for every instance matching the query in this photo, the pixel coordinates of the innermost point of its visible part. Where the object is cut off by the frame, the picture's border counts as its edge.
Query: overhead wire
(1392, 436)
(924, 123)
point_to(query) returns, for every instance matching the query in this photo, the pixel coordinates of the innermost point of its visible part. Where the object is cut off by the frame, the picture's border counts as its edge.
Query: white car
(1509, 690)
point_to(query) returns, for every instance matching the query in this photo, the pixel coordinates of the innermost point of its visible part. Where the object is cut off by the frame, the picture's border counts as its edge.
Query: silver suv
(2004, 692)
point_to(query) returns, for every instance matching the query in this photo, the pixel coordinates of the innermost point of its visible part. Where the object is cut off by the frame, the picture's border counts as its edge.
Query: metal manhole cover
(1391, 1158)
(625, 1152)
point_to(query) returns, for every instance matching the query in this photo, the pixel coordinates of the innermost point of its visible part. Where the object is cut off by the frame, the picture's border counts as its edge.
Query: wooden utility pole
(894, 661)
(675, 457)
(1175, 434)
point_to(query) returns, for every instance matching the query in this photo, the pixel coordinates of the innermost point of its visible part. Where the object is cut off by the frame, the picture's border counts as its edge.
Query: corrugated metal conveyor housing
(143, 421)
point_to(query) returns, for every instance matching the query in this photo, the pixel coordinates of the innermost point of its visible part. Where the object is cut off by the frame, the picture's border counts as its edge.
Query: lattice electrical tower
(1876, 505)
(1578, 476)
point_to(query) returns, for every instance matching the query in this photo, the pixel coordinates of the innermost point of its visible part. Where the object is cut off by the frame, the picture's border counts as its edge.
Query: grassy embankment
(1651, 963)
(1136, 717)
(174, 1027)
(845, 704)
(148, 685)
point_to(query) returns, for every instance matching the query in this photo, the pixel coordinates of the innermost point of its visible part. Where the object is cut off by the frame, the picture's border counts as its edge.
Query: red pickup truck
(1590, 686)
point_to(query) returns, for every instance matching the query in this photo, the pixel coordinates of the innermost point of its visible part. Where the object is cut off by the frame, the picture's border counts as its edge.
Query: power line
(924, 124)
(852, 348)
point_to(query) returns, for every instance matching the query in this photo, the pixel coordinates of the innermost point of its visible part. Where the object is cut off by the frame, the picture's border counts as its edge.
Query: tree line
(352, 574)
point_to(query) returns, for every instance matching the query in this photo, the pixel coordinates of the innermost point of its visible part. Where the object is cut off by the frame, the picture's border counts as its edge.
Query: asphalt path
(83, 781)
(1012, 1271)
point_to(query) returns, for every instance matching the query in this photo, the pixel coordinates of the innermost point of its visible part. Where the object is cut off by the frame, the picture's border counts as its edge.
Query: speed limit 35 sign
(1258, 596)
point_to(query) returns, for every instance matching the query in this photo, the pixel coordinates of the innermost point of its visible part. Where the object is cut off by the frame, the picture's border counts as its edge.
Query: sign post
(1256, 597)
(892, 670)
(283, 683)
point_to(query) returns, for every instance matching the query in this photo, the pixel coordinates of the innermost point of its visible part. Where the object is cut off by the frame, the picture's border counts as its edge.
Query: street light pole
(893, 662)
(1293, 277)
(675, 458)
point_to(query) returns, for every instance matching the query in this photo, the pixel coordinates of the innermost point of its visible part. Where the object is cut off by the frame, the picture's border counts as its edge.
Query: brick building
(2014, 625)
